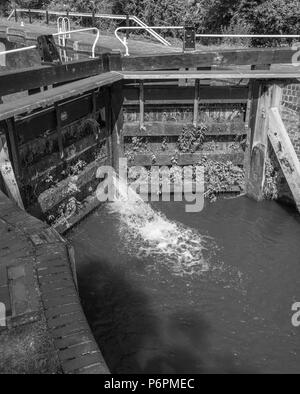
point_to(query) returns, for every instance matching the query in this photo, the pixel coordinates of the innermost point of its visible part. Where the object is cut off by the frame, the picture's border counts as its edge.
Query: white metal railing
(63, 25)
(124, 40)
(83, 30)
(96, 15)
(248, 35)
(18, 50)
(58, 34)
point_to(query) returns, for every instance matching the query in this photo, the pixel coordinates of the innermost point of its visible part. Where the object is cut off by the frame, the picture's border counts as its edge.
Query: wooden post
(29, 14)
(276, 95)
(108, 122)
(16, 15)
(248, 129)
(142, 105)
(117, 99)
(58, 131)
(13, 146)
(93, 18)
(196, 102)
(284, 151)
(258, 140)
(127, 25)
(47, 17)
(7, 172)
(94, 104)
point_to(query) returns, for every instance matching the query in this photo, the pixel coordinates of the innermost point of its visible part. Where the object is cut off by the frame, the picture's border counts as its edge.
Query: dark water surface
(150, 313)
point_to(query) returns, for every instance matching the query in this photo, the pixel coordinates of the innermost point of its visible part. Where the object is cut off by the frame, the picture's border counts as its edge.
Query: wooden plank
(44, 121)
(117, 122)
(169, 94)
(196, 102)
(48, 98)
(13, 147)
(8, 176)
(258, 145)
(58, 130)
(142, 105)
(184, 159)
(221, 58)
(170, 129)
(212, 74)
(35, 77)
(285, 153)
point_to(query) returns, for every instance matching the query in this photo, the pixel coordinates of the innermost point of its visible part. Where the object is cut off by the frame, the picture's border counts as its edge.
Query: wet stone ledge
(46, 330)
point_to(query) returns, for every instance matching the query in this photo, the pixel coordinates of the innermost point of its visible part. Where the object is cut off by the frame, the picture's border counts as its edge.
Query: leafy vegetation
(191, 138)
(221, 177)
(210, 16)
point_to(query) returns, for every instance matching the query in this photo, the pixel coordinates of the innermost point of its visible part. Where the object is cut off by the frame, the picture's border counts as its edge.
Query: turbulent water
(178, 247)
(167, 291)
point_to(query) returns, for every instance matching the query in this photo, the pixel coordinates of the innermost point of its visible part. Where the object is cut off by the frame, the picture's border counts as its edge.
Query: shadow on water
(132, 337)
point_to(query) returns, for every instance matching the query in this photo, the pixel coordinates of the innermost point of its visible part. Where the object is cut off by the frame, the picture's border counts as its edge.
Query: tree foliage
(210, 16)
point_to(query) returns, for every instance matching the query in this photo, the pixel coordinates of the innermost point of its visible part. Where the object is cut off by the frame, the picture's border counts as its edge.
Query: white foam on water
(147, 232)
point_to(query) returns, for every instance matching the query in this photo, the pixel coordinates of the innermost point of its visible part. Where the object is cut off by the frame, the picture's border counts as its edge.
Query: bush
(237, 27)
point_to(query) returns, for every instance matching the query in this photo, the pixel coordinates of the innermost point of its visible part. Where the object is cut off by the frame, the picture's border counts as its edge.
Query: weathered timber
(184, 159)
(13, 146)
(169, 129)
(117, 122)
(142, 104)
(43, 121)
(8, 176)
(196, 102)
(222, 58)
(35, 77)
(170, 94)
(285, 153)
(108, 123)
(212, 74)
(258, 144)
(48, 98)
(54, 196)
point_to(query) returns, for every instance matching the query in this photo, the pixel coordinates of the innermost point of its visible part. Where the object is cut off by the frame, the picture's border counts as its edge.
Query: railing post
(93, 18)
(127, 25)
(16, 15)
(189, 40)
(29, 15)
(47, 17)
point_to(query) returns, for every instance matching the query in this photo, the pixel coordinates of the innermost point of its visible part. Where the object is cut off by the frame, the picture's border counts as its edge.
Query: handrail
(249, 35)
(82, 30)
(18, 50)
(58, 34)
(151, 31)
(63, 25)
(124, 42)
(103, 16)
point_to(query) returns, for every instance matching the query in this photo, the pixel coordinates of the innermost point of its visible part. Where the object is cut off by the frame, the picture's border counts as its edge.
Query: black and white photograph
(149, 190)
